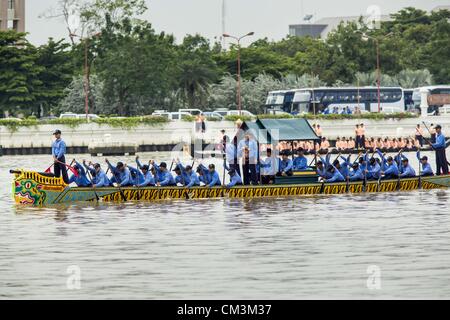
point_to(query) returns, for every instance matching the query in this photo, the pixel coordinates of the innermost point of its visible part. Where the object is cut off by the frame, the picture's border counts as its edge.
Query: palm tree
(414, 78)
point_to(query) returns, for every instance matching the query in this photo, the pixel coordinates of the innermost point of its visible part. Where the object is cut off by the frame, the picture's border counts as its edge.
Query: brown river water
(369, 246)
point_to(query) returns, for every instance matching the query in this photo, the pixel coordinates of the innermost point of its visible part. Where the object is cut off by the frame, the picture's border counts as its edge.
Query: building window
(10, 4)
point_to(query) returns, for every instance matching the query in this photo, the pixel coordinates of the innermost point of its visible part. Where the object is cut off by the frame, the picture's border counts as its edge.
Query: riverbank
(165, 136)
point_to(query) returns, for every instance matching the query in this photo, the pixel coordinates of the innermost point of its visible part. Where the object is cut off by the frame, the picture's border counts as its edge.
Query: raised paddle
(72, 169)
(49, 169)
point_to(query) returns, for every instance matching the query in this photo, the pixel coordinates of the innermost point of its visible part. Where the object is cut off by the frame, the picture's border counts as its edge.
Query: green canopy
(268, 130)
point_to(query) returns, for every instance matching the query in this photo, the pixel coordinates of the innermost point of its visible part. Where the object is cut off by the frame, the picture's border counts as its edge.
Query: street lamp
(86, 71)
(238, 39)
(377, 42)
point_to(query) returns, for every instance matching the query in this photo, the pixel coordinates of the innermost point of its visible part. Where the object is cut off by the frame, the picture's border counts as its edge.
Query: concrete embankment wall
(36, 140)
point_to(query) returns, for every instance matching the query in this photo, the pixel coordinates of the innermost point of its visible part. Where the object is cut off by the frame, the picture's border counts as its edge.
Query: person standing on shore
(59, 159)
(357, 139)
(362, 133)
(439, 147)
(318, 131)
(419, 134)
(433, 134)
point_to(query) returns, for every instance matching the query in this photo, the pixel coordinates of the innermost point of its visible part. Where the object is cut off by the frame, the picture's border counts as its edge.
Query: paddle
(398, 178)
(93, 185)
(224, 165)
(118, 184)
(322, 187)
(49, 169)
(420, 173)
(72, 169)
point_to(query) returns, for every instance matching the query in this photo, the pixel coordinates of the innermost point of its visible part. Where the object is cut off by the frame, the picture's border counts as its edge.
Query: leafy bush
(234, 118)
(124, 123)
(213, 119)
(14, 125)
(369, 116)
(188, 118)
(275, 116)
(131, 122)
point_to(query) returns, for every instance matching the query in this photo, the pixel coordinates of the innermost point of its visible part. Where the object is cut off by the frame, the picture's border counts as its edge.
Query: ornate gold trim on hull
(35, 189)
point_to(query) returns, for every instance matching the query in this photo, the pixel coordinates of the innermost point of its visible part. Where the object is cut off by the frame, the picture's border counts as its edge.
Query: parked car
(243, 113)
(222, 111)
(192, 112)
(69, 115)
(213, 114)
(172, 115)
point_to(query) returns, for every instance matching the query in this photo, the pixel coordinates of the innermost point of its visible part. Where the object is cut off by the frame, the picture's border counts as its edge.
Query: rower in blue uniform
(342, 168)
(326, 166)
(439, 147)
(285, 165)
(356, 173)
(345, 165)
(149, 180)
(182, 177)
(321, 170)
(165, 178)
(136, 176)
(194, 181)
(147, 175)
(391, 171)
(407, 170)
(121, 174)
(336, 176)
(203, 174)
(99, 177)
(235, 179)
(373, 170)
(300, 162)
(215, 179)
(81, 180)
(383, 164)
(426, 167)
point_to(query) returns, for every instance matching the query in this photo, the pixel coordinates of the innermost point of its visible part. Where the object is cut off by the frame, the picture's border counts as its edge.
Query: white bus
(310, 100)
(275, 100)
(438, 99)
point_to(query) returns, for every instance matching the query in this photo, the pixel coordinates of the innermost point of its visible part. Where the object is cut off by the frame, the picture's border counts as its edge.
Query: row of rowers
(153, 174)
(370, 168)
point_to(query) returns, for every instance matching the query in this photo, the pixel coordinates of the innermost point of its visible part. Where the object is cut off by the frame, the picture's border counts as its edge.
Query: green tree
(136, 66)
(56, 74)
(196, 70)
(19, 73)
(414, 78)
(74, 100)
